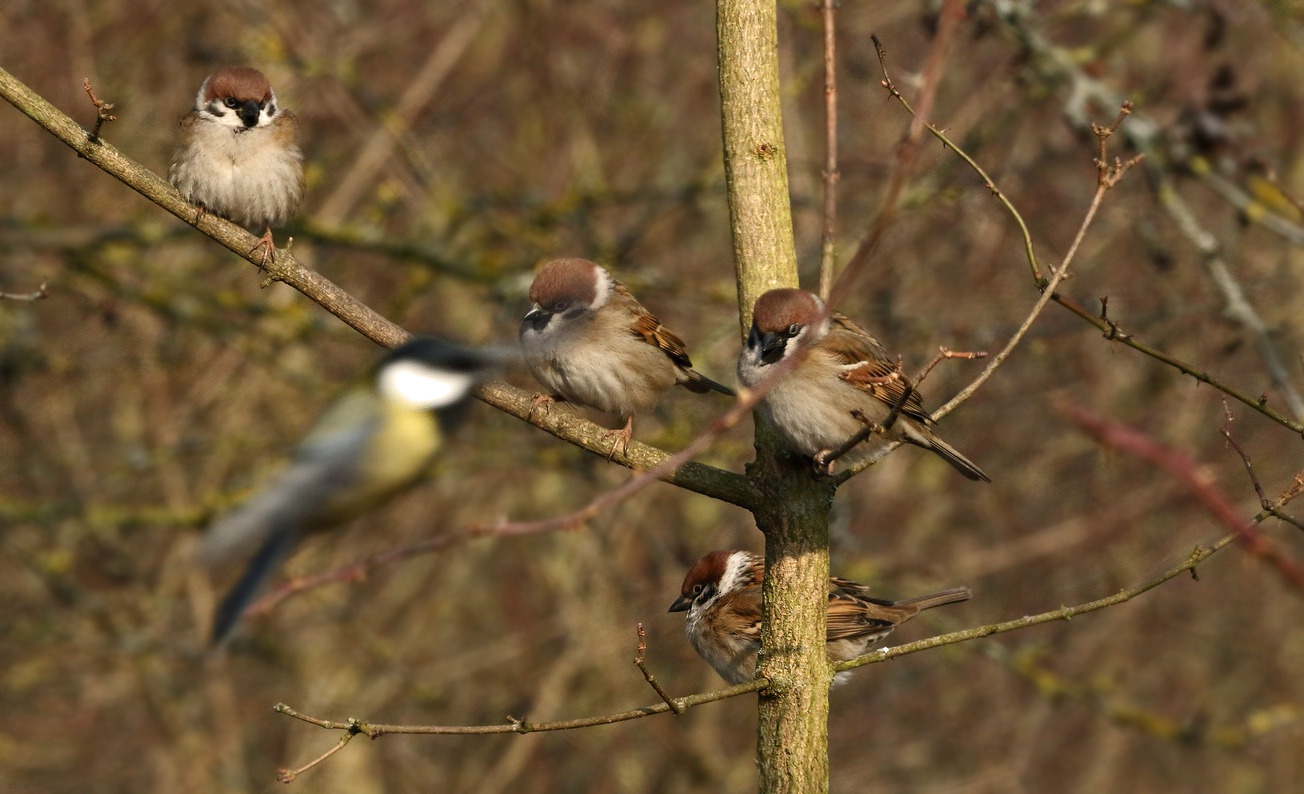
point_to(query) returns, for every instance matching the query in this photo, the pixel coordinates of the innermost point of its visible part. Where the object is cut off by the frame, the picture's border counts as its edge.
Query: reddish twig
(907, 150)
(1136, 443)
(1270, 174)
(828, 256)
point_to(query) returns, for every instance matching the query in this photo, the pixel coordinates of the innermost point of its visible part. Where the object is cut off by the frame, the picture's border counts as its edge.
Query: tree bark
(792, 504)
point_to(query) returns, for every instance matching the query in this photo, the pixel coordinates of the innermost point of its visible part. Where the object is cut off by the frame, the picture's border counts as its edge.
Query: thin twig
(1267, 504)
(1112, 331)
(1053, 64)
(641, 662)
(289, 775)
(1107, 177)
(376, 730)
(102, 109)
(1270, 174)
(42, 292)
(828, 255)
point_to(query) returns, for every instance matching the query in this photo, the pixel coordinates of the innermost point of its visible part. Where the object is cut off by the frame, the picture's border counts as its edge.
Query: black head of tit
(374, 442)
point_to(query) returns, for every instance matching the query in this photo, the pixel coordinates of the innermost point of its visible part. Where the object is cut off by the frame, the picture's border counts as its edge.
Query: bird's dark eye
(697, 589)
(231, 102)
(559, 307)
(794, 329)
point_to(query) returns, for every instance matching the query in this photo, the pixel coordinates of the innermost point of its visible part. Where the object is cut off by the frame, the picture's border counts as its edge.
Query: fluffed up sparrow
(589, 341)
(722, 596)
(845, 370)
(239, 154)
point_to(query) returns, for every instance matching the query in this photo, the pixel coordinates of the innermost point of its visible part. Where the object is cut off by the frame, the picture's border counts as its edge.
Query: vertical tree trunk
(792, 740)
(755, 160)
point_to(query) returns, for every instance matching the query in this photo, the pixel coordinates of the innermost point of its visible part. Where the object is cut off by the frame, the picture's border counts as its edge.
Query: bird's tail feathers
(264, 563)
(946, 452)
(938, 599)
(699, 383)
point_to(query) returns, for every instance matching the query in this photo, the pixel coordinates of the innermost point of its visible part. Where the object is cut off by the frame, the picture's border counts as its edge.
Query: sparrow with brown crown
(239, 154)
(846, 372)
(722, 596)
(590, 342)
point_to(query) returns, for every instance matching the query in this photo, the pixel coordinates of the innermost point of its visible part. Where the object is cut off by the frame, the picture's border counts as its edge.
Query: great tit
(373, 443)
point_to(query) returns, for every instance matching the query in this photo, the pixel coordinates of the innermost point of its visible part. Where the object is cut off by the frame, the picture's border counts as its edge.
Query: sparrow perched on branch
(589, 341)
(846, 372)
(239, 155)
(722, 596)
(374, 442)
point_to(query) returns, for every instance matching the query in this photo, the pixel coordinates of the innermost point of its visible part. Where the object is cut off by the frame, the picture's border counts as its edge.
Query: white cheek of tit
(422, 386)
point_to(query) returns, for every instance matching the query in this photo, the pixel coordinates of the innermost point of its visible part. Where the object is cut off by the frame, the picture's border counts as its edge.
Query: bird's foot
(620, 438)
(269, 250)
(545, 400)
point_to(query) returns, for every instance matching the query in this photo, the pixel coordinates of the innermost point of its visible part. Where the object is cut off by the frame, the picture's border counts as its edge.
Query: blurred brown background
(452, 148)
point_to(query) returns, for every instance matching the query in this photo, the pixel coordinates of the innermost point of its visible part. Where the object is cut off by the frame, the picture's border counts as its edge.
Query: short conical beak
(772, 347)
(536, 318)
(249, 113)
(681, 604)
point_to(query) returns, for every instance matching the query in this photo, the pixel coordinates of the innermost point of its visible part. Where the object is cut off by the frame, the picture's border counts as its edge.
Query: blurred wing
(866, 366)
(298, 497)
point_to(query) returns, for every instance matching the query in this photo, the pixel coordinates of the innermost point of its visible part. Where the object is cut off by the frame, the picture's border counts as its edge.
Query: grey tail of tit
(265, 562)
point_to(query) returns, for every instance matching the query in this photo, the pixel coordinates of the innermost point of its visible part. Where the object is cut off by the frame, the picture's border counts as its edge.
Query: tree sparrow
(376, 441)
(845, 370)
(589, 341)
(239, 155)
(722, 596)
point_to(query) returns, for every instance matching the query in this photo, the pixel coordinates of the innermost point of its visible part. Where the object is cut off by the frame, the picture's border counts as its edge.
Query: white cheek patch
(735, 570)
(424, 387)
(603, 288)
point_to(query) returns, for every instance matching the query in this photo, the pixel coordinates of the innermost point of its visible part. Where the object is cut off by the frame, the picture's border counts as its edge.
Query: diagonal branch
(1054, 65)
(286, 269)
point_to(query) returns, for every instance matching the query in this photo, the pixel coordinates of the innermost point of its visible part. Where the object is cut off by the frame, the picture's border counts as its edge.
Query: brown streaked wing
(850, 618)
(745, 612)
(650, 330)
(850, 344)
